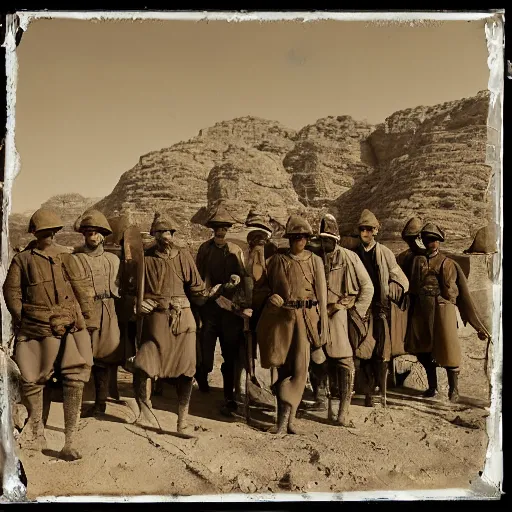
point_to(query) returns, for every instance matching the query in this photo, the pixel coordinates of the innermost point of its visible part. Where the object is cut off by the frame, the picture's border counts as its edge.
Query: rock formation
(430, 161)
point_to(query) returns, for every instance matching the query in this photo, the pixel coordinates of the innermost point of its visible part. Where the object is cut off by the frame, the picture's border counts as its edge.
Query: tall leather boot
(202, 380)
(293, 428)
(283, 416)
(101, 384)
(72, 402)
(184, 390)
(32, 435)
(431, 371)
(140, 386)
(333, 400)
(228, 377)
(453, 384)
(346, 379)
(318, 377)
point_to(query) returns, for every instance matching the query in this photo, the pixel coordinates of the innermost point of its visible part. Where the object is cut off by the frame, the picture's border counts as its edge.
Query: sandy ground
(414, 443)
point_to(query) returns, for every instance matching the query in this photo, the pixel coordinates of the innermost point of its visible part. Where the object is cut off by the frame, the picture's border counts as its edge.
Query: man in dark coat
(389, 283)
(220, 262)
(438, 285)
(48, 311)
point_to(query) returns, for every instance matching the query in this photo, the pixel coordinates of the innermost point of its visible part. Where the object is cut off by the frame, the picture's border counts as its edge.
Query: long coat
(275, 329)
(40, 295)
(168, 347)
(348, 283)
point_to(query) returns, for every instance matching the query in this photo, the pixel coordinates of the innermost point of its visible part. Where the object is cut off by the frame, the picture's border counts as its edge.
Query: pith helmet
(219, 217)
(329, 227)
(412, 228)
(258, 220)
(162, 224)
(433, 231)
(297, 225)
(368, 219)
(44, 219)
(95, 219)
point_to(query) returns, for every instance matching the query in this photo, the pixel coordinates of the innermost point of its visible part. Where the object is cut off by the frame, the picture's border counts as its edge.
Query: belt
(179, 302)
(102, 296)
(299, 304)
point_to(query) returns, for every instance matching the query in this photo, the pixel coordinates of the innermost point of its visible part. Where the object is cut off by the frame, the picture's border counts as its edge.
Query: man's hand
(148, 305)
(333, 308)
(276, 300)
(214, 291)
(233, 281)
(395, 291)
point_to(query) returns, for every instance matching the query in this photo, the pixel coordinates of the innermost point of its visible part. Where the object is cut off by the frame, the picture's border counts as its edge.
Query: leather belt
(102, 296)
(299, 304)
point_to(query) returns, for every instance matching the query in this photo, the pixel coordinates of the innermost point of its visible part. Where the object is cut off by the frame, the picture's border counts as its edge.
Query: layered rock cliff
(426, 161)
(430, 161)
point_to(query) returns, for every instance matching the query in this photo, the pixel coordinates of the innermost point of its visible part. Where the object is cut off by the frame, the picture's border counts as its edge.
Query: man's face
(220, 232)
(258, 240)
(45, 238)
(328, 244)
(367, 234)
(93, 238)
(298, 242)
(164, 238)
(430, 243)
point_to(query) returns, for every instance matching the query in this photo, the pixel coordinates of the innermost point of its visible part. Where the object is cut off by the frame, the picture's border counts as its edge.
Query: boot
(293, 428)
(113, 389)
(453, 384)
(184, 390)
(47, 403)
(283, 416)
(228, 377)
(140, 385)
(346, 379)
(202, 381)
(32, 435)
(72, 402)
(333, 404)
(431, 372)
(101, 383)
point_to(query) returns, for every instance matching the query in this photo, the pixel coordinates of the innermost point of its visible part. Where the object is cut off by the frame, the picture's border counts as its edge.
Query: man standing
(389, 283)
(438, 285)
(51, 335)
(293, 325)
(220, 262)
(349, 295)
(168, 349)
(102, 268)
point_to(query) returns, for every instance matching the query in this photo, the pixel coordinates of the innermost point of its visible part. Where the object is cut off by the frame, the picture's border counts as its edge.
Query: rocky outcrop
(328, 157)
(426, 161)
(431, 162)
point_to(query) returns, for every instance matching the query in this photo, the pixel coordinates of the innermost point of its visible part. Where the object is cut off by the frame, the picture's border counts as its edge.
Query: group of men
(314, 308)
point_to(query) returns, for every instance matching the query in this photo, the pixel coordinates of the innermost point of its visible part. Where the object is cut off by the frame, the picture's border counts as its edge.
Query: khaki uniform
(286, 335)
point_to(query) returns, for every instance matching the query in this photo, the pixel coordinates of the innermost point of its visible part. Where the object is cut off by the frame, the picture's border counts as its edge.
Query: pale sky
(93, 97)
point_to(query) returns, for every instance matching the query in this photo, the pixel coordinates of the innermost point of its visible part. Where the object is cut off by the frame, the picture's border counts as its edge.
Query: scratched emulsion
(492, 473)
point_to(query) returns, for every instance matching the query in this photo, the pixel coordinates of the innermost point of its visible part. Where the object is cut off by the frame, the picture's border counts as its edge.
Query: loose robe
(348, 283)
(384, 272)
(38, 292)
(168, 347)
(102, 268)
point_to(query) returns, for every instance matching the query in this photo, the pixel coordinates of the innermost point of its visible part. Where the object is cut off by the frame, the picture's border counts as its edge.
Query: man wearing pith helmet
(51, 338)
(293, 325)
(220, 262)
(102, 269)
(349, 295)
(168, 349)
(438, 285)
(389, 283)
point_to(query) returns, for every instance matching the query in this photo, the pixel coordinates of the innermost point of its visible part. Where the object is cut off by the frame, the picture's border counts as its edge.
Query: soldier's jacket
(38, 291)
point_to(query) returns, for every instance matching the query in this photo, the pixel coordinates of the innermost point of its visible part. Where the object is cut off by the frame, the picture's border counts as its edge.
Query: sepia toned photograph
(251, 257)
